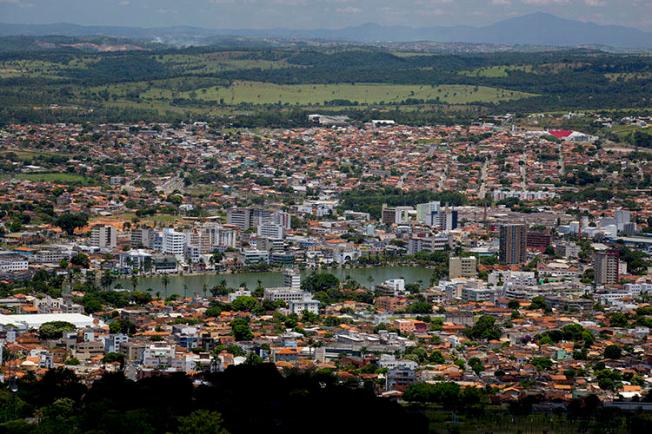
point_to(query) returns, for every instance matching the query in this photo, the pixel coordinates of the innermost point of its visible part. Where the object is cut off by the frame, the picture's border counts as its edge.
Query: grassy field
(624, 131)
(56, 178)
(307, 94)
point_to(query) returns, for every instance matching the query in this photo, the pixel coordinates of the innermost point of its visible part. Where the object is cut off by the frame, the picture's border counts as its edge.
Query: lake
(195, 283)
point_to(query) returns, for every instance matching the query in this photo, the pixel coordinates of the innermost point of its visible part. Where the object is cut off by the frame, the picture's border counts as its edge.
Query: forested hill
(279, 86)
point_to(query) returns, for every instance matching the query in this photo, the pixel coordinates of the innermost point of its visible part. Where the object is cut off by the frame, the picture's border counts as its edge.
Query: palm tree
(165, 281)
(134, 281)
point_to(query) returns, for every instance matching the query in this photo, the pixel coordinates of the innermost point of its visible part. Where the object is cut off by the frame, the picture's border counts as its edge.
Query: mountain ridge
(533, 29)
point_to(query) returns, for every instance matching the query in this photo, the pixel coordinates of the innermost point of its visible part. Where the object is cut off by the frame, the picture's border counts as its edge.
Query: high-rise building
(292, 278)
(143, 237)
(240, 217)
(462, 267)
(623, 217)
(246, 218)
(448, 219)
(428, 213)
(104, 237)
(605, 267)
(174, 242)
(282, 218)
(221, 237)
(513, 238)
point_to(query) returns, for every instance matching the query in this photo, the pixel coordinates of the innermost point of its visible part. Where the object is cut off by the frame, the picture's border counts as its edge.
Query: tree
(240, 329)
(618, 319)
(80, 260)
(447, 394)
(114, 357)
(202, 422)
(68, 222)
(134, 281)
(55, 329)
(122, 326)
(317, 282)
(538, 302)
(541, 363)
(216, 257)
(92, 302)
(165, 281)
(485, 328)
(476, 365)
(244, 303)
(107, 279)
(420, 307)
(437, 357)
(613, 352)
(513, 304)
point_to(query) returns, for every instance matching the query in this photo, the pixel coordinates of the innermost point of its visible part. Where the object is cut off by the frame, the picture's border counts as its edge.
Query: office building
(513, 240)
(606, 267)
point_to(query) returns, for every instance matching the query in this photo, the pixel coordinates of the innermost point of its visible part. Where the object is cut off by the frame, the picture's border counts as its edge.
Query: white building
(478, 295)
(255, 257)
(159, 356)
(437, 243)
(292, 278)
(174, 242)
(34, 321)
(271, 230)
(13, 263)
(284, 294)
(305, 305)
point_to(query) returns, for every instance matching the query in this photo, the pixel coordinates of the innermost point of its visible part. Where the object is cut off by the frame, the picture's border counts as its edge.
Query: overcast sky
(316, 13)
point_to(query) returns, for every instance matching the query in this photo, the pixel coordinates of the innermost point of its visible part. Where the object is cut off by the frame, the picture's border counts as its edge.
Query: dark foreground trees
(243, 399)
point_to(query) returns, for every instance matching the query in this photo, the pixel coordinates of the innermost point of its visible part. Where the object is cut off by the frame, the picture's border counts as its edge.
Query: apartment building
(606, 267)
(174, 242)
(466, 267)
(513, 239)
(104, 237)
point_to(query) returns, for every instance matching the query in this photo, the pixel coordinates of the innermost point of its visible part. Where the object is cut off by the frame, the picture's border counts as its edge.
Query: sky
(310, 14)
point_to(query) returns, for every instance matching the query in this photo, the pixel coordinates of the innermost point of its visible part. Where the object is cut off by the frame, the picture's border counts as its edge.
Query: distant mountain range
(539, 29)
